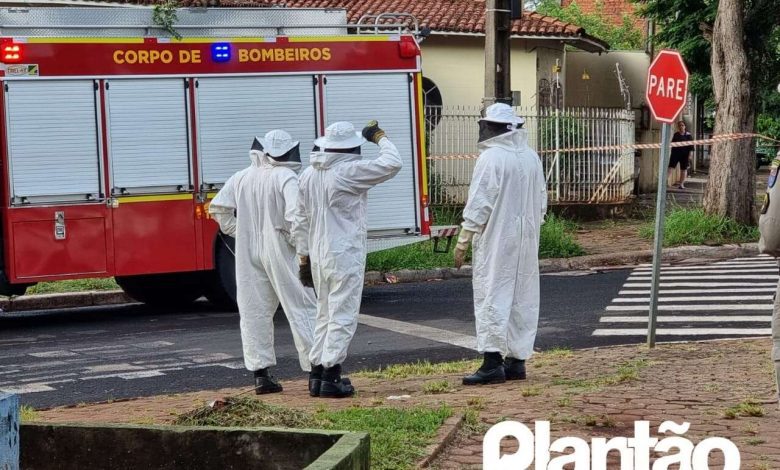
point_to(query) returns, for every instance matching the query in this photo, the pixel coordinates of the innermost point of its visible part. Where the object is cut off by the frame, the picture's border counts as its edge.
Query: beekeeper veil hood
(499, 119)
(278, 145)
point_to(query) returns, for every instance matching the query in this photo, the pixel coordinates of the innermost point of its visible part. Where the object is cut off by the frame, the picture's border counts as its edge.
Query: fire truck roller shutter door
(65, 162)
(391, 205)
(231, 111)
(147, 121)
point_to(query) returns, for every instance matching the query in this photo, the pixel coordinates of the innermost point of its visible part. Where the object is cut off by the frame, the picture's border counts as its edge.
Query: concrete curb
(578, 263)
(444, 437)
(64, 300)
(553, 265)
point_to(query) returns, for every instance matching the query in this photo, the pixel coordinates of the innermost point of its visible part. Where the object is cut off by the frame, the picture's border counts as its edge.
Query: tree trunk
(731, 186)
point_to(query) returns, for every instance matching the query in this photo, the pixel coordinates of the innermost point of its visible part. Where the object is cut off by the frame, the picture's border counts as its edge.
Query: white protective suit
(506, 206)
(331, 229)
(264, 197)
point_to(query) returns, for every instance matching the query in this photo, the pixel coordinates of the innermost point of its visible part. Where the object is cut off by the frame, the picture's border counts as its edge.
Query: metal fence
(573, 176)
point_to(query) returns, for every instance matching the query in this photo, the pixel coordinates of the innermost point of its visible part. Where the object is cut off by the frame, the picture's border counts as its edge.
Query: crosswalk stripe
(643, 277)
(693, 319)
(703, 284)
(699, 291)
(685, 332)
(648, 272)
(689, 308)
(772, 265)
(707, 298)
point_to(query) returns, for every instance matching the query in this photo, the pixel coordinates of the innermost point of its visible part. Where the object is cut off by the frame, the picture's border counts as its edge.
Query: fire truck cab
(116, 132)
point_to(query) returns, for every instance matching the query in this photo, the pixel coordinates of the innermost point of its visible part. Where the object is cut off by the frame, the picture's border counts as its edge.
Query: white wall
(457, 65)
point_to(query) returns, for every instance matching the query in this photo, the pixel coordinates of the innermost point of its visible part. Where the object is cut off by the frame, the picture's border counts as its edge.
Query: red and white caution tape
(712, 140)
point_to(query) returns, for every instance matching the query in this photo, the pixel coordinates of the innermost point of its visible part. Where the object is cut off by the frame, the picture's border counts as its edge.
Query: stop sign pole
(666, 92)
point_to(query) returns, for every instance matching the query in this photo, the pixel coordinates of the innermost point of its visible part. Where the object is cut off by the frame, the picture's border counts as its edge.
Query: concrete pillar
(648, 173)
(9, 432)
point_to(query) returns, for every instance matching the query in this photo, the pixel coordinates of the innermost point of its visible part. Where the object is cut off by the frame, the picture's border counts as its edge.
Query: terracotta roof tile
(446, 16)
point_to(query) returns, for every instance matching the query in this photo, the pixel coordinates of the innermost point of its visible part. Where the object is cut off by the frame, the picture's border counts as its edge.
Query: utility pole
(498, 29)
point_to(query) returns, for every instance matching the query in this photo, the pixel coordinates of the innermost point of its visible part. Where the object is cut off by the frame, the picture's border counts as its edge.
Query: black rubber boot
(491, 372)
(266, 383)
(514, 369)
(333, 386)
(315, 379)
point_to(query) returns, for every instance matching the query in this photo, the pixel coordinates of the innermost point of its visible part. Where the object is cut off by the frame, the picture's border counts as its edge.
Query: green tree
(732, 49)
(624, 36)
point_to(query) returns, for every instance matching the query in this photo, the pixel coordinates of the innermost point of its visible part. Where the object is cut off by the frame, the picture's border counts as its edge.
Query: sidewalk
(590, 393)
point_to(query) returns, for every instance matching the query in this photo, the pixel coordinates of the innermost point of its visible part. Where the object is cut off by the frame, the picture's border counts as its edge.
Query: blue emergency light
(220, 52)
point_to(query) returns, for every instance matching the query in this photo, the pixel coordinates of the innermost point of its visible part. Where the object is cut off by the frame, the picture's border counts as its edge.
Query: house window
(432, 101)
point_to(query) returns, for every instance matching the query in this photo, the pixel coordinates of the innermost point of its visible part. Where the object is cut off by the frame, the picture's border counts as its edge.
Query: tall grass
(694, 227)
(557, 238)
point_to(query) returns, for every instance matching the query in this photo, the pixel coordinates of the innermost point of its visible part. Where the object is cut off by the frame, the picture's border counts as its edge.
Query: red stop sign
(667, 85)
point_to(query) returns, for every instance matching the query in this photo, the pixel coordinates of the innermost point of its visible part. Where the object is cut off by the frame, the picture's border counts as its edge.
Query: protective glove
(372, 132)
(304, 271)
(464, 239)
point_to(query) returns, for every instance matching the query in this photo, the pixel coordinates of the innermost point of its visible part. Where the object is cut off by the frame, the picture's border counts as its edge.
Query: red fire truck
(116, 134)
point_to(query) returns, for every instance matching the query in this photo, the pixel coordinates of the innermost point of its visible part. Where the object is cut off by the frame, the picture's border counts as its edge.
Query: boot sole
(262, 391)
(488, 382)
(336, 395)
(515, 377)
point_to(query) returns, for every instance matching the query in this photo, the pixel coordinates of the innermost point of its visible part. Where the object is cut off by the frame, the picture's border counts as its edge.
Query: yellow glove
(464, 239)
(372, 132)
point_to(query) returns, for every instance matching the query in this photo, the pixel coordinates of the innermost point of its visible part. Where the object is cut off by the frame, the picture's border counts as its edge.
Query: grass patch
(28, 414)
(398, 436)
(531, 391)
(414, 256)
(603, 421)
(437, 387)
(755, 441)
(557, 353)
(746, 408)
(73, 285)
(420, 368)
(476, 403)
(472, 424)
(564, 401)
(626, 372)
(694, 227)
(557, 238)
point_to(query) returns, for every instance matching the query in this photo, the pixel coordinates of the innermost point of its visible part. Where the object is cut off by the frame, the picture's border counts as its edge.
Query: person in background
(680, 155)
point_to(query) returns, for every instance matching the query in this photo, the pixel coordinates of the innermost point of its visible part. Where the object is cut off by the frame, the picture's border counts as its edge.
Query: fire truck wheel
(163, 290)
(8, 289)
(221, 283)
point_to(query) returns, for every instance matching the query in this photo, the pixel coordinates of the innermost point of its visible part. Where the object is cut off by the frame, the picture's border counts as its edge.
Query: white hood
(260, 160)
(326, 160)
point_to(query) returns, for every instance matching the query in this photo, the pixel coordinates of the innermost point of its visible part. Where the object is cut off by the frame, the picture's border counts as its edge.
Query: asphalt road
(96, 354)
